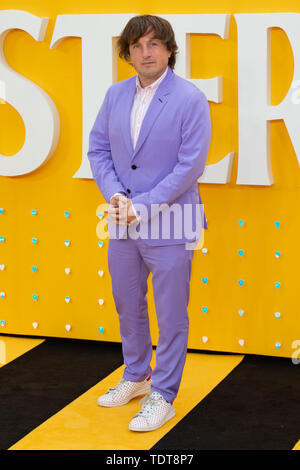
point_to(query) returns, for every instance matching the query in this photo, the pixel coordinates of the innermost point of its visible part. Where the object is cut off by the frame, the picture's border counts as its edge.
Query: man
(148, 147)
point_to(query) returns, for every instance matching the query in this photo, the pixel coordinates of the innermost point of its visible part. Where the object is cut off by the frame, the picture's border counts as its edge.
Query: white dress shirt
(141, 102)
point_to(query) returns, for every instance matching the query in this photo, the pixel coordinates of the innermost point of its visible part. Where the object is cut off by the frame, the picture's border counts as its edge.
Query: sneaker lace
(148, 404)
(119, 386)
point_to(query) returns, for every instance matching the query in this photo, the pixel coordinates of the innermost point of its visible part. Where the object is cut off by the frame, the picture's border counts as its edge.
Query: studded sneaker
(155, 412)
(124, 391)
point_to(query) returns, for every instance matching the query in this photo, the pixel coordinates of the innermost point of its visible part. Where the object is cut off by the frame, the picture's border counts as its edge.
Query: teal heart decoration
(34, 268)
(67, 242)
(241, 252)
(277, 345)
(34, 240)
(33, 212)
(277, 224)
(100, 244)
(34, 296)
(1, 210)
(2, 239)
(277, 314)
(241, 222)
(2, 322)
(100, 215)
(101, 329)
(277, 254)
(241, 312)
(204, 280)
(66, 213)
(204, 309)
(277, 285)
(241, 282)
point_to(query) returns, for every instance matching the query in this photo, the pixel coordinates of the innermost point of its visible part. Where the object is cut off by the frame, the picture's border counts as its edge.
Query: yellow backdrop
(51, 191)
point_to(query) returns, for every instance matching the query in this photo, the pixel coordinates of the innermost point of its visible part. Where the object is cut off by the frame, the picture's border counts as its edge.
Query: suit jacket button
(128, 190)
(133, 167)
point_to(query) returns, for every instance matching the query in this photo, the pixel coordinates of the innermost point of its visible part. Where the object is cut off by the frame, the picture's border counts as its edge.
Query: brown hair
(140, 25)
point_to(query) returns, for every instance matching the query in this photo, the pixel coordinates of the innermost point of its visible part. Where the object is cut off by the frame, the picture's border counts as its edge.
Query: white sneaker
(125, 391)
(155, 412)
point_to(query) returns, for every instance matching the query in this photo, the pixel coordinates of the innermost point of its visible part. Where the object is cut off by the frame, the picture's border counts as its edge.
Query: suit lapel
(125, 119)
(156, 106)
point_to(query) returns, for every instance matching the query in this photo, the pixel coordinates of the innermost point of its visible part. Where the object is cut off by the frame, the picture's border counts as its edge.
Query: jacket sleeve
(192, 156)
(99, 154)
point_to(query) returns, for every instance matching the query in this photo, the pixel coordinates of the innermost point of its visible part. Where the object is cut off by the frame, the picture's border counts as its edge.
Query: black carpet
(45, 379)
(256, 407)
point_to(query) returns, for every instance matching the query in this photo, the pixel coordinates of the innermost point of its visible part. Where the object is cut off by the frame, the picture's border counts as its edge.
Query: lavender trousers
(130, 262)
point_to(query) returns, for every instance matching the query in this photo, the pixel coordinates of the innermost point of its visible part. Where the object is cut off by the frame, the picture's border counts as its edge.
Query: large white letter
(184, 26)
(98, 65)
(36, 108)
(255, 110)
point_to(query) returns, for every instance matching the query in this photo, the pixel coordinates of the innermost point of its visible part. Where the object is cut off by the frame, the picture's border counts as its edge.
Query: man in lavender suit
(148, 147)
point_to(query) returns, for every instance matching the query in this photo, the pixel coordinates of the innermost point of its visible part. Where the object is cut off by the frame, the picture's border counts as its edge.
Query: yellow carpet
(83, 425)
(297, 446)
(12, 347)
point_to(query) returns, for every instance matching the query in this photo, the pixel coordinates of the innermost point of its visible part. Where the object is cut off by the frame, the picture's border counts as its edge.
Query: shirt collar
(153, 85)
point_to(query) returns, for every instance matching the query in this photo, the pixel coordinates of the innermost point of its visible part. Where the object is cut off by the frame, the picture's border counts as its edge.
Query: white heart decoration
(2, 294)
(67, 270)
(241, 342)
(35, 324)
(204, 339)
(100, 272)
(68, 327)
(101, 301)
(2, 266)
(204, 250)
(67, 299)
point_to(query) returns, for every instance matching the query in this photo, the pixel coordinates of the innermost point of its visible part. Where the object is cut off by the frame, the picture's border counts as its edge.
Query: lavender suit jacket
(161, 172)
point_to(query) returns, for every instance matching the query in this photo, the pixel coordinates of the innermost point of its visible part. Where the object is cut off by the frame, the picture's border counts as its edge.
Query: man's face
(149, 57)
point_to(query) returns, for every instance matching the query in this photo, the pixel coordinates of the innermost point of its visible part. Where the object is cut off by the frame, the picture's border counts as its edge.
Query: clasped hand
(120, 210)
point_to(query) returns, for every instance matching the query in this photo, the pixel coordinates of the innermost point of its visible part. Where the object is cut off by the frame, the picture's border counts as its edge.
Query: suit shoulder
(187, 89)
(120, 86)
